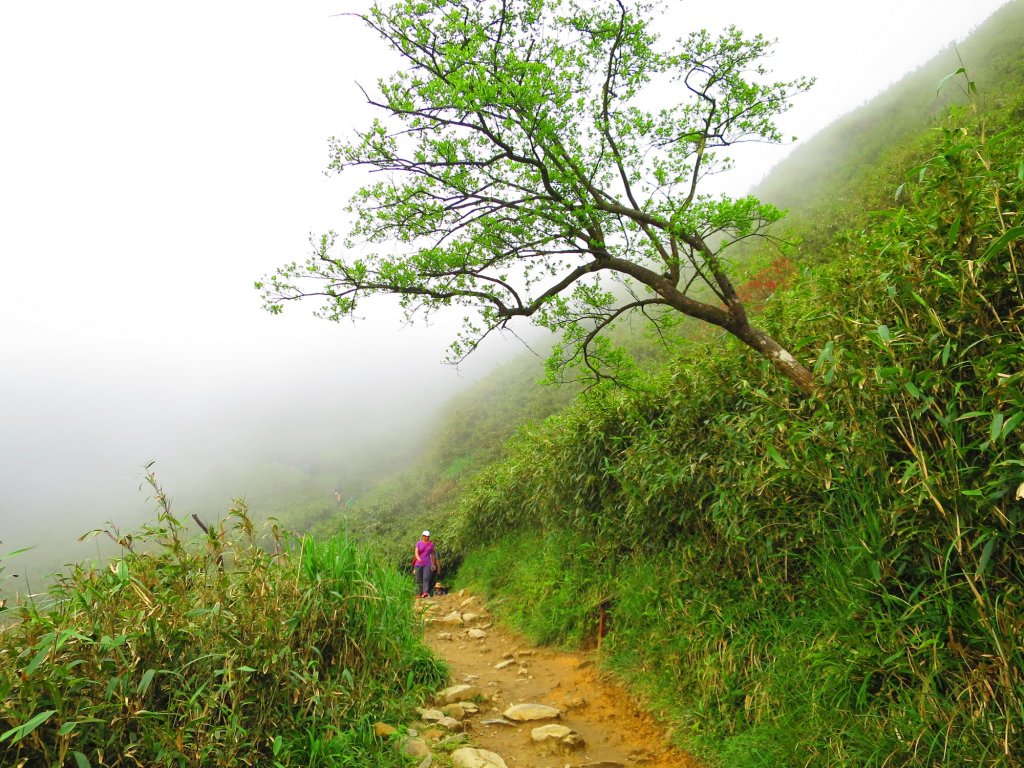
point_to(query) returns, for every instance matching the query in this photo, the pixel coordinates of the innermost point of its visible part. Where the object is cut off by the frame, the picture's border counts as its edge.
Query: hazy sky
(156, 159)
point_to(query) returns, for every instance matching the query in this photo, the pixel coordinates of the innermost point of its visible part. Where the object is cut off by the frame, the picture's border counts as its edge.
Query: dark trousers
(424, 577)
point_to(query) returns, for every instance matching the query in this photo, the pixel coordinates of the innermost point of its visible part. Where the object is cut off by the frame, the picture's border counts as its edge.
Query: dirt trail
(614, 730)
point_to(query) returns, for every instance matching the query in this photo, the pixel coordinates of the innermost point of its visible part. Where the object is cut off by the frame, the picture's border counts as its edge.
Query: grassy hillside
(836, 581)
(833, 175)
(827, 168)
(826, 581)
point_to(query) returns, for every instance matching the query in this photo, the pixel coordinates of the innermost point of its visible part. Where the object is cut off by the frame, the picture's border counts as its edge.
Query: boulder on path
(458, 693)
(452, 618)
(415, 747)
(477, 634)
(454, 710)
(556, 739)
(469, 757)
(525, 712)
(496, 721)
(450, 724)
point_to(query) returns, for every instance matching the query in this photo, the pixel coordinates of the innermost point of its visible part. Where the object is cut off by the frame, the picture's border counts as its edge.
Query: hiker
(424, 564)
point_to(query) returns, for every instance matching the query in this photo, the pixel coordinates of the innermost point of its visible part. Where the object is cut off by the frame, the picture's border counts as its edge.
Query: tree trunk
(783, 361)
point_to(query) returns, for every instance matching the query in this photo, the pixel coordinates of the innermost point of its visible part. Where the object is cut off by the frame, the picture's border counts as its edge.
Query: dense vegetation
(811, 581)
(213, 652)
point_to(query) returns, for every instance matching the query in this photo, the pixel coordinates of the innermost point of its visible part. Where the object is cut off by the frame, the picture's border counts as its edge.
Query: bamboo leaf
(996, 428)
(19, 732)
(147, 678)
(947, 78)
(986, 555)
(775, 456)
(954, 233)
(1012, 423)
(67, 728)
(999, 243)
(39, 657)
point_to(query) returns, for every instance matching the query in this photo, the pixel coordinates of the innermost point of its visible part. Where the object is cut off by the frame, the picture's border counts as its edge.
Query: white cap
(426, 533)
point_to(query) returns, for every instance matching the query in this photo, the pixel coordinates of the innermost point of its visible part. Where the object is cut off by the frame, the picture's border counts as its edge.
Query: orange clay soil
(614, 729)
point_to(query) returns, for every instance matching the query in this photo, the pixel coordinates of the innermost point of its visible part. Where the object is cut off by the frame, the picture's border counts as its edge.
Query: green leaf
(67, 728)
(81, 760)
(972, 415)
(996, 428)
(775, 456)
(883, 333)
(954, 233)
(39, 657)
(947, 78)
(1012, 423)
(986, 555)
(888, 372)
(1011, 234)
(824, 356)
(147, 678)
(21, 731)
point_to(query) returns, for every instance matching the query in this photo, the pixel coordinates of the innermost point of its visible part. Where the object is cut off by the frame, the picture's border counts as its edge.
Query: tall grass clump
(832, 581)
(212, 652)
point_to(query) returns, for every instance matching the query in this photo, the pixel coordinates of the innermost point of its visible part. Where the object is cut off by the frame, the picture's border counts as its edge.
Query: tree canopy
(543, 159)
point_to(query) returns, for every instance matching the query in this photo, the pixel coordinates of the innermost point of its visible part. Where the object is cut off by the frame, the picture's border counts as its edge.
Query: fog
(156, 160)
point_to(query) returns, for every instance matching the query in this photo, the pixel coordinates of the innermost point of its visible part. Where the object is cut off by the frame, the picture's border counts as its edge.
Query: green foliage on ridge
(834, 174)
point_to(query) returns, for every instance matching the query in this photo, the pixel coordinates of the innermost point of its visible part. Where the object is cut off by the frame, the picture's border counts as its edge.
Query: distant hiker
(337, 497)
(424, 564)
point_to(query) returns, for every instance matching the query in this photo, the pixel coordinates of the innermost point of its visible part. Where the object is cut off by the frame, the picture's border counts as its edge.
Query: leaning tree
(543, 159)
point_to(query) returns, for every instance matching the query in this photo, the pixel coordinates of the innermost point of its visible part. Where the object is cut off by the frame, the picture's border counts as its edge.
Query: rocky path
(576, 717)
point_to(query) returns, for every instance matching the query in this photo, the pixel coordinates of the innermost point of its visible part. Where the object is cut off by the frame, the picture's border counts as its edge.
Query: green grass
(551, 586)
(834, 581)
(213, 652)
